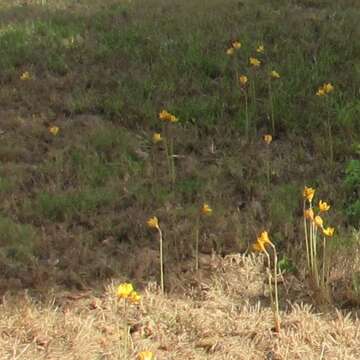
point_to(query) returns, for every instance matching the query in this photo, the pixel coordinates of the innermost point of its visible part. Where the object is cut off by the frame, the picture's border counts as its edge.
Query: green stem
(197, 230)
(324, 261)
(331, 146)
(277, 316)
(272, 108)
(247, 116)
(306, 238)
(161, 261)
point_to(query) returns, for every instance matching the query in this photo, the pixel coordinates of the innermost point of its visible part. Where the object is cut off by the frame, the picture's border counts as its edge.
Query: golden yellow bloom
(328, 88)
(54, 130)
(267, 138)
(323, 206)
(319, 221)
(320, 92)
(230, 51)
(236, 44)
(134, 297)
(254, 62)
(264, 238)
(243, 79)
(206, 209)
(260, 49)
(146, 355)
(124, 290)
(153, 223)
(166, 116)
(258, 246)
(309, 214)
(25, 76)
(309, 193)
(329, 231)
(275, 75)
(156, 138)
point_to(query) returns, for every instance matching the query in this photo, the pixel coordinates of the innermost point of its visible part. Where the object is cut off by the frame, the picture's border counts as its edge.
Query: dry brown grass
(225, 318)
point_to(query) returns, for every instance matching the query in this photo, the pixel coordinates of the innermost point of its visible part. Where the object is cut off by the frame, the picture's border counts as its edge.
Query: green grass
(102, 71)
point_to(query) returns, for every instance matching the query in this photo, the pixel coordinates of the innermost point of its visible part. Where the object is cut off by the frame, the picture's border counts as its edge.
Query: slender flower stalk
(274, 75)
(153, 223)
(260, 245)
(243, 80)
(268, 139)
(128, 295)
(169, 119)
(205, 210)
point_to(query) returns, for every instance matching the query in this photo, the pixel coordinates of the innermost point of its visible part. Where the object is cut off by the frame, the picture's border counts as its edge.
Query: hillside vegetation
(205, 127)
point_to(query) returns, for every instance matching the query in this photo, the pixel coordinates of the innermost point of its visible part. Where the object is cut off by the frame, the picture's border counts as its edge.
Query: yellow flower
(260, 49)
(156, 138)
(329, 231)
(254, 62)
(54, 130)
(258, 246)
(323, 206)
(230, 51)
(153, 223)
(267, 138)
(25, 76)
(134, 297)
(124, 290)
(264, 238)
(320, 92)
(275, 75)
(319, 221)
(309, 214)
(243, 79)
(236, 44)
(206, 209)
(146, 355)
(309, 193)
(166, 116)
(328, 88)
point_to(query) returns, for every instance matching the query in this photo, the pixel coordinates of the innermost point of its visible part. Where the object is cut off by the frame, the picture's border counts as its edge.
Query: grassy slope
(74, 204)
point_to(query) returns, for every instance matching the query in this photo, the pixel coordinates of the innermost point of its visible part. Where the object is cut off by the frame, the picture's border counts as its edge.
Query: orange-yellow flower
(25, 76)
(254, 62)
(309, 214)
(206, 209)
(146, 355)
(156, 138)
(275, 75)
(328, 88)
(166, 116)
(230, 51)
(320, 92)
(329, 231)
(236, 44)
(260, 49)
(153, 223)
(323, 206)
(319, 221)
(267, 138)
(264, 237)
(134, 297)
(309, 193)
(258, 246)
(54, 130)
(243, 79)
(124, 290)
